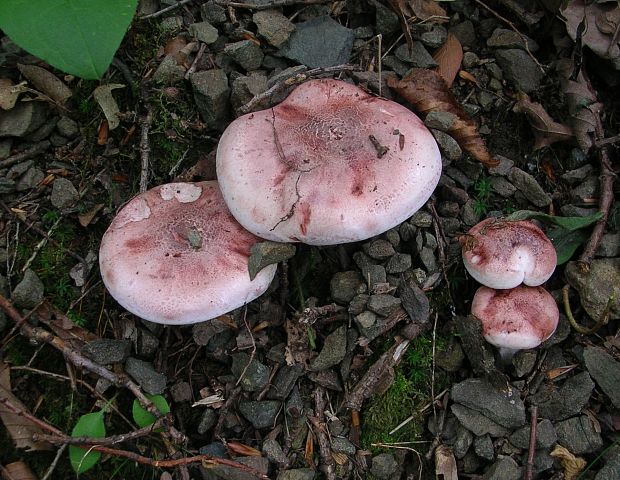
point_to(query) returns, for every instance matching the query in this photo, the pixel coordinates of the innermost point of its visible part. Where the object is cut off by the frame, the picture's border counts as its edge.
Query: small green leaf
(143, 417)
(566, 242)
(568, 223)
(89, 425)
(78, 36)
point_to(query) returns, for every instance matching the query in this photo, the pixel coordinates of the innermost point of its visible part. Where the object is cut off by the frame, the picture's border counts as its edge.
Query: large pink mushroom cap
(175, 255)
(503, 254)
(515, 319)
(330, 164)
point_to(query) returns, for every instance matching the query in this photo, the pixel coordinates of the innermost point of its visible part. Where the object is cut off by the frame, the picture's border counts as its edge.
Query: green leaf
(89, 425)
(568, 223)
(566, 242)
(143, 417)
(77, 36)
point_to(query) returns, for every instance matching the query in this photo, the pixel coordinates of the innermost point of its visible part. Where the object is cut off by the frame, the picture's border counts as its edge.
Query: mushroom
(515, 319)
(175, 255)
(503, 254)
(330, 164)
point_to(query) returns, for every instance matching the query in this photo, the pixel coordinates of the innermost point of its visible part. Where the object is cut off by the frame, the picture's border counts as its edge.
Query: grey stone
(586, 190)
(273, 26)
(459, 177)
(545, 435)
(213, 13)
(421, 219)
(267, 253)
(274, 452)
(398, 263)
(29, 292)
(435, 37)
(393, 63)
(203, 31)
(575, 211)
(453, 194)
(579, 435)
(246, 53)
(366, 319)
(30, 179)
(524, 361)
(58, 140)
(284, 381)
(261, 414)
(148, 343)
(596, 286)
(386, 20)
(255, 374)
(260, 464)
(64, 194)
(470, 60)
(211, 93)
(611, 469)
(465, 32)
(5, 147)
(384, 466)
(609, 245)
(345, 285)
(107, 350)
(214, 449)
(67, 127)
(476, 422)
(379, 249)
(7, 185)
(519, 68)
(319, 42)
(428, 257)
(504, 38)
(606, 372)
(451, 357)
(529, 187)
(448, 209)
(502, 186)
(440, 120)
(505, 468)
(23, 119)
(573, 177)
(358, 304)
(469, 214)
(483, 446)
(566, 401)
(146, 376)
(383, 304)
(169, 72)
(486, 100)
(448, 145)
(204, 331)
(450, 226)
(297, 474)
(393, 236)
(333, 351)
(418, 57)
(464, 439)
(342, 445)
(181, 392)
(503, 407)
(207, 421)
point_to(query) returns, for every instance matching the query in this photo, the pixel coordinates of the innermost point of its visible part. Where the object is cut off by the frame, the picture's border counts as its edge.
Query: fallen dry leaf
(445, 463)
(449, 57)
(427, 91)
(9, 93)
(87, 217)
(18, 471)
(242, 449)
(46, 82)
(546, 130)
(103, 96)
(20, 430)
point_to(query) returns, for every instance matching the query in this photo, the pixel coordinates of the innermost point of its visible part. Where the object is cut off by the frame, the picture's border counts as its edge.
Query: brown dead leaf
(87, 217)
(242, 449)
(427, 91)
(175, 45)
(20, 430)
(46, 82)
(9, 93)
(546, 130)
(309, 449)
(18, 471)
(557, 372)
(445, 463)
(468, 77)
(103, 132)
(449, 57)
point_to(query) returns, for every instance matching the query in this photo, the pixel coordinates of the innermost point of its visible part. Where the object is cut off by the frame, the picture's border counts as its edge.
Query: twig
(52, 467)
(606, 141)
(602, 320)
(310, 315)
(253, 353)
(33, 151)
(532, 446)
(270, 4)
(37, 248)
(259, 99)
(194, 65)
(320, 430)
(164, 10)
(145, 150)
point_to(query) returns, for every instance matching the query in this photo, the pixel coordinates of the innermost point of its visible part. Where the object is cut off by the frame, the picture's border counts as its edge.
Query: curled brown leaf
(546, 130)
(449, 57)
(427, 91)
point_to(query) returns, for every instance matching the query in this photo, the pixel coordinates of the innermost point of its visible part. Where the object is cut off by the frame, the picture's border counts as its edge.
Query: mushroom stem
(506, 354)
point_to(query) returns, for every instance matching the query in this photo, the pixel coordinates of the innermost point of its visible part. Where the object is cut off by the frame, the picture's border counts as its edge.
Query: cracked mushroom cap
(175, 255)
(515, 319)
(503, 254)
(330, 164)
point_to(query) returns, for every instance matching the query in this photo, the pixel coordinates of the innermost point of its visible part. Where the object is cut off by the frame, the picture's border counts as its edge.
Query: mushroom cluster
(330, 164)
(512, 259)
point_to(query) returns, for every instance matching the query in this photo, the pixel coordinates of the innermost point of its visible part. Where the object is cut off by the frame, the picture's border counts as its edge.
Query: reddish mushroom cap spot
(503, 254)
(175, 255)
(515, 319)
(330, 164)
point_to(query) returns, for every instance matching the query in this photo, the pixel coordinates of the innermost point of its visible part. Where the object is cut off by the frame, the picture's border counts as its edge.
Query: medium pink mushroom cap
(515, 319)
(175, 255)
(330, 164)
(503, 254)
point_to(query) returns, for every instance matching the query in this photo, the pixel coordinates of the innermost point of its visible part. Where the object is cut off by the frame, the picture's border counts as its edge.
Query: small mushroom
(515, 319)
(330, 164)
(175, 255)
(503, 254)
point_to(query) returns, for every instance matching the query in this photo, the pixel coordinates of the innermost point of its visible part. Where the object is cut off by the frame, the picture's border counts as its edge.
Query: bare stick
(159, 13)
(253, 353)
(320, 429)
(602, 320)
(33, 151)
(270, 4)
(52, 467)
(532, 446)
(145, 150)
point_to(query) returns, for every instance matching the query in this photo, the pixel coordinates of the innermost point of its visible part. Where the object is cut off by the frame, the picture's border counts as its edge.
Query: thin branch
(532, 446)
(320, 430)
(270, 4)
(602, 320)
(36, 149)
(145, 150)
(159, 13)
